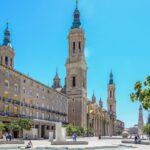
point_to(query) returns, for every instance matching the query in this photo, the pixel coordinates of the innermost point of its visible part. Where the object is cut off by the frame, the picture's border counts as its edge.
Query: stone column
(45, 129)
(97, 126)
(100, 126)
(39, 131)
(94, 126)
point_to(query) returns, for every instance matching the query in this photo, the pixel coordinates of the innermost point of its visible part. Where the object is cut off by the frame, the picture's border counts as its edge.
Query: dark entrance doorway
(16, 134)
(43, 131)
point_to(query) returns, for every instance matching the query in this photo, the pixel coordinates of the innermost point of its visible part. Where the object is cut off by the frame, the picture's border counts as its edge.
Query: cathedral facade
(22, 96)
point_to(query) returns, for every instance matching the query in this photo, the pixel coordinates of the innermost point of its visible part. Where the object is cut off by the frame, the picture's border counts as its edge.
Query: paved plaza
(93, 142)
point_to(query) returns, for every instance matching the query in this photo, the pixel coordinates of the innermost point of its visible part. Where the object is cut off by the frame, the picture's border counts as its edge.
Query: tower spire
(76, 21)
(93, 97)
(111, 81)
(56, 81)
(6, 40)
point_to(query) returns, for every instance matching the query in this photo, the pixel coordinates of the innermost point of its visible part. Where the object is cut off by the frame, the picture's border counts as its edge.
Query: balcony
(16, 102)
(8, 113)
(7, 100)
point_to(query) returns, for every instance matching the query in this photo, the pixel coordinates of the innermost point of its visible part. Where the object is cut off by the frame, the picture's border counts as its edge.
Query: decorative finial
(93, 93)
(76, 4)
(7, 22)
(56, 71)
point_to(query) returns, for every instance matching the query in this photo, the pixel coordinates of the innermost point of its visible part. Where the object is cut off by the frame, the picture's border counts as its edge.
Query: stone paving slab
(92, 142)
(133, 142)
(70, 143)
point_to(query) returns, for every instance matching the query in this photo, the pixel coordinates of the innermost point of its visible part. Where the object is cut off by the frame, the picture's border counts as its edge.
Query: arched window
(74, 47)
(6, 107)
(73, 81)
(111, 94)
(15, 110)
(79, 47)
(6, 94)
(6, 84)
(110, 107)
(11, 62)
(24, 90)
(16, 87)
(6, 60)
(15, 97)
(42, 115)
(37, 114)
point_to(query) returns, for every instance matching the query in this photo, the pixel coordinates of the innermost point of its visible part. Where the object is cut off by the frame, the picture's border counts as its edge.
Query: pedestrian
(29, 145)
(99, 137)
(9, 136)
(75, 137)
(6, 135)
(135, 139)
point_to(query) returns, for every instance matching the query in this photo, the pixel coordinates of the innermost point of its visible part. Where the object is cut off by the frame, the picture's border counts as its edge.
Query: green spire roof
(6, 40)
(76, 22)
(111, 81)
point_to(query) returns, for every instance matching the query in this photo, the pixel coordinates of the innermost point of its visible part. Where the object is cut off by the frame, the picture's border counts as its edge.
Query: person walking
(75, 137)
(6, 135)
(9, 136)
(135, 139)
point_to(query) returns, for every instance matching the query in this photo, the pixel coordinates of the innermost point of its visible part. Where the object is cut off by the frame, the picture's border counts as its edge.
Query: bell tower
(111, 101)
(6, 50)
(111, 104)
(76, 69)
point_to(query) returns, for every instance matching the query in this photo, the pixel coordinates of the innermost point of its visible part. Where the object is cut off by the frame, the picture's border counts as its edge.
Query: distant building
(140, 120)
(133, 130)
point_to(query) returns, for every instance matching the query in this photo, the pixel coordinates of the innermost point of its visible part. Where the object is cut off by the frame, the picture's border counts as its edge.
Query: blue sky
(117, 38)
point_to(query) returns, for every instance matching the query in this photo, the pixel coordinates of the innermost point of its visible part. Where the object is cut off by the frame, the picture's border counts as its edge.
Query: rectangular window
(74, 47)
(73, 81)
(79, 46)
(6, 60)
(11, 62)
(110, 107)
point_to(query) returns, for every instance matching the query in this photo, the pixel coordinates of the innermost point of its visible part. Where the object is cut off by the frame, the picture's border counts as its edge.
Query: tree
(74, 129)
(89, 131)
(2, 126)
(142, 93)
(146, 129)
(20, 124)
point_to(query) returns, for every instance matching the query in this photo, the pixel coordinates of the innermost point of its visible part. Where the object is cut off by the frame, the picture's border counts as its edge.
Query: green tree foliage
(74, 129)
(142, 93)
(89, 131)
(20, 124)
(2, 126)
(146, 129)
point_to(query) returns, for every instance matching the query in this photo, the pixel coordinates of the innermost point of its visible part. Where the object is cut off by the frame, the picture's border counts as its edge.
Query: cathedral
(22, 96)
